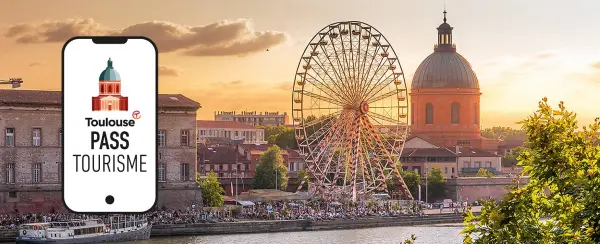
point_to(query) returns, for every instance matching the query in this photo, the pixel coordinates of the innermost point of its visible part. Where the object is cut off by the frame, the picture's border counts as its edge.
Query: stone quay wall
(475, 188)
(246, 227)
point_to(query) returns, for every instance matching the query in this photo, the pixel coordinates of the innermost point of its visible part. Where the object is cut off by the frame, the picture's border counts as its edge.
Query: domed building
(445, 97)
(109, 86)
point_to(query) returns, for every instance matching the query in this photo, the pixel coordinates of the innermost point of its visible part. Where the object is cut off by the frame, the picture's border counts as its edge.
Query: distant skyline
(215, 51)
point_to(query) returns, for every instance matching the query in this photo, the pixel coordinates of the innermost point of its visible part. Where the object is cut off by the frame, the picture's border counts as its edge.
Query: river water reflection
(446, 234)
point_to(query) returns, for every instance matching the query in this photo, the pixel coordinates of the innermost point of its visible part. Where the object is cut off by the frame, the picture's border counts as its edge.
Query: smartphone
(110, 93)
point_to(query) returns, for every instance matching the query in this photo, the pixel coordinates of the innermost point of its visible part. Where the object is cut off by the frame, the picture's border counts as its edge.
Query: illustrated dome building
(445, 96)
(109, 86)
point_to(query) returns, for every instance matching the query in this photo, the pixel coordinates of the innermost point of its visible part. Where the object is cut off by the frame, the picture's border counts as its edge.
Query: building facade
(109, 91)
(31, 161)
(445, 97)
(421, 154)
(254, 118)
(233, 130)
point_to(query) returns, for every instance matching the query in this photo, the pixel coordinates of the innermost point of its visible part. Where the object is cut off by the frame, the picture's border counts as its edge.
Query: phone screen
(110, 124)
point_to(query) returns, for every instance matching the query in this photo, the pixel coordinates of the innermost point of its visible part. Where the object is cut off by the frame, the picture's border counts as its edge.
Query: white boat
(108, 229)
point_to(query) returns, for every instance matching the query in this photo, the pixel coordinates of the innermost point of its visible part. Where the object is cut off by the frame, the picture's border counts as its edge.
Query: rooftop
(14, 97)
(220, 155)
(223, 124)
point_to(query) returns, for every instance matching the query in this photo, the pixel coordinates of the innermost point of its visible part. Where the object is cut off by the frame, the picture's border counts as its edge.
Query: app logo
(136, 114)
(109, 97)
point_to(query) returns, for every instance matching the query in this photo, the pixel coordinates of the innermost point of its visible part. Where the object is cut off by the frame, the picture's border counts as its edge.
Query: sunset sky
(215, 51)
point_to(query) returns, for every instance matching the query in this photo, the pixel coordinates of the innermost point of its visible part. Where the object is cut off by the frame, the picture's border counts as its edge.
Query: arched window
(117, 88)
(109, 89)
(475, 114)
(455, 113)
(101, 88)
(412, 113)
(429, 114)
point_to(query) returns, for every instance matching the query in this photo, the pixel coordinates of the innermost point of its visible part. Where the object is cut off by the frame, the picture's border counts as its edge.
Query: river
(447, 234)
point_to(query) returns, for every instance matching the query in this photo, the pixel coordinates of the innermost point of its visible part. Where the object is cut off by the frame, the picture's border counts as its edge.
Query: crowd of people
(273, 210)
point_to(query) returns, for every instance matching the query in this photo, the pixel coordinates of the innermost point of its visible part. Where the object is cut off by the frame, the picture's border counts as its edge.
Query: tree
(411, 179)
(436, 184)
(484, 173)
(510, 159)
(282, 136)
(560, 202)
(301, 175)
(270, 165)
(500, 132)
(212, 191)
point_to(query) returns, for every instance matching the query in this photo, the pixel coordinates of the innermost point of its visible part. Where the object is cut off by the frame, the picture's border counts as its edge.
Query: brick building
(30, 151)
(445, 97)
(232, 169)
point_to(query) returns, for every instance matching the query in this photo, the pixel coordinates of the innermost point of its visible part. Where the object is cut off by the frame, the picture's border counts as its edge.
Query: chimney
(457, 150)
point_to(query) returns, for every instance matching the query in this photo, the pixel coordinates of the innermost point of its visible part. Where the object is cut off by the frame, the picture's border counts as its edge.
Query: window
(185, 172)
(477, 164)
(10, 137)
(10, 173)
(488, 164)
(475, 113)
(60, 137)
(452, 170)
(37, 173)
(162, 138)
(161, 173)
(445, 170)
(429, 114)
(12, 194)
(455, 113)
(185, 140)
(466, 164)
(37, 137)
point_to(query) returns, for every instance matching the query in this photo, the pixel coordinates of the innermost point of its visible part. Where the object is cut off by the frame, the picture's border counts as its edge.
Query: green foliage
(270, 165)
(412, 240)
(500, 132)
(411, 179)
(484, 173)
(282, 136)
(560, 202)
(436, 184)
(510, 159)
(212, 191)
(301, 175)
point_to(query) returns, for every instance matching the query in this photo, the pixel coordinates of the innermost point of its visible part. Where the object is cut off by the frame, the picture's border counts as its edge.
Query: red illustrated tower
(109, 98)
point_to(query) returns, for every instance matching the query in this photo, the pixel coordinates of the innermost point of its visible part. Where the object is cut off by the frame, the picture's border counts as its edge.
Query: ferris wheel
(350, 112)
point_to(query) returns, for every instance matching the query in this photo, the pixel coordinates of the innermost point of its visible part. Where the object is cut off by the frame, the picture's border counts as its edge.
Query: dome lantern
(109, 74)
(444, 43)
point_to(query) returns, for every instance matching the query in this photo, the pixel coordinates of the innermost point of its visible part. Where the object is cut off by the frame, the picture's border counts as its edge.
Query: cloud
(235, 82)
(591, 74)
(221, 38)
(164, 70)
(35, 64)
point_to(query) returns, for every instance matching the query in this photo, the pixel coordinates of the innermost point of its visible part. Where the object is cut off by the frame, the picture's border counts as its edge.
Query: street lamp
(15, 82)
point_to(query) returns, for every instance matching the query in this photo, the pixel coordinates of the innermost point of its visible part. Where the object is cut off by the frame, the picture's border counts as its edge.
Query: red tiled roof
(220, 155)
(427, 152)
(424, 138)
(54, 98)
(223, 124)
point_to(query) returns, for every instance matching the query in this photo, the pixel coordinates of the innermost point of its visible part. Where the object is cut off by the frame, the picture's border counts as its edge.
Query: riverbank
(246, 227)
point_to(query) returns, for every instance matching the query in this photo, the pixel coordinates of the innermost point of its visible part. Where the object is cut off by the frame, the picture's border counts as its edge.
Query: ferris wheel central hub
(364, 107)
